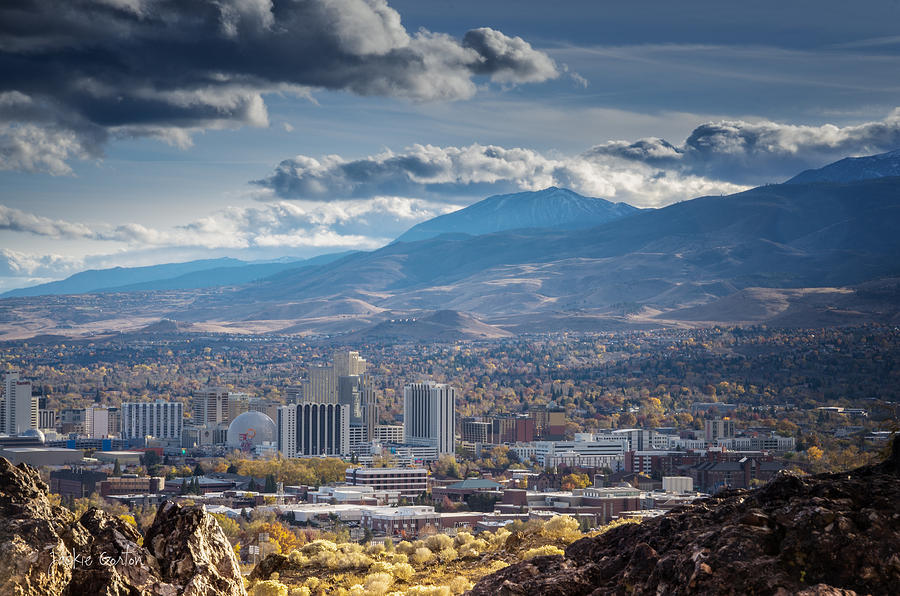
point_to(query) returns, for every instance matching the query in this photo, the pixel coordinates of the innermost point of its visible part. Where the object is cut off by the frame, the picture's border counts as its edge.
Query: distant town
(409, 441)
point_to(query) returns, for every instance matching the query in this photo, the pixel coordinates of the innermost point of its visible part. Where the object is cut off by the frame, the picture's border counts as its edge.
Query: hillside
(851, 169)
(790, 241)
(443, 325)
(825, 534)
(690, 253)
(555, 208)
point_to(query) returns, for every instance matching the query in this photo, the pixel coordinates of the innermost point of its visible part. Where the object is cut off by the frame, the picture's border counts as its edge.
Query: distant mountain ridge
(851, 169)
(555, 208)
(204, 273)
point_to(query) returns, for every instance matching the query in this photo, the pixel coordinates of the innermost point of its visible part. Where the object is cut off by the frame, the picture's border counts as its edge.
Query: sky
(136, 132)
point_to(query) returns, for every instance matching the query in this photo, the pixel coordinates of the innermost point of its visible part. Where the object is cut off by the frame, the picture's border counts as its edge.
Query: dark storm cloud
(756, 152)
(96, 69)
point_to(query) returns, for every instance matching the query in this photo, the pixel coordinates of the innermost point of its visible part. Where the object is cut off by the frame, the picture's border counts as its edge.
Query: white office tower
(313, 429)
(160, 419)
(429, 416)
(20, 409)
(96, 423)
(210, 406)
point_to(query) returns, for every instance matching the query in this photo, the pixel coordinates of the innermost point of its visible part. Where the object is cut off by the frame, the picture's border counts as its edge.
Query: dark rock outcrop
(193, 552)
(45, 551)
(820, 535)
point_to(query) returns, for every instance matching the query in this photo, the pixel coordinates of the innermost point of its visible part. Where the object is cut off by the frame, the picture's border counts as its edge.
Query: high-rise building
(321, 384)
(310, 429)
(719, 428)
(357, 392)
(210, 406)
(347, 364)
(160, 419)
(238, 403)
(549, 422)
(47, 419)
(496, 430)
(20, 408)
(96, 422)
(429, 416)
(71, 420)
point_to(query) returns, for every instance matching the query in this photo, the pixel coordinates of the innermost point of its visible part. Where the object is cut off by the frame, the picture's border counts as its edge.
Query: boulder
(45, 551)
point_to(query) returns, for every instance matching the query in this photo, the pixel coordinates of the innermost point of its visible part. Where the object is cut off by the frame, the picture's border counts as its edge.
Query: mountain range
(551, 208)
(204, 273)
(800, 253)
(851, 169)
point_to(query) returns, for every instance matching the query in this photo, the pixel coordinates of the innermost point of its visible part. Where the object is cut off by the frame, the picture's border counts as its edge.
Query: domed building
(249, 431)
(33, 433)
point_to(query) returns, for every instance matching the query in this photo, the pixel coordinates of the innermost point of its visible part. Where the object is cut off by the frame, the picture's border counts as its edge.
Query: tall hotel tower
(429, 416)
(308, 429)
(161, 419)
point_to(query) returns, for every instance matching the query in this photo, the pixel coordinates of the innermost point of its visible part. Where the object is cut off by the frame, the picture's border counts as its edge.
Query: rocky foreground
(46, 551)
(831, 534)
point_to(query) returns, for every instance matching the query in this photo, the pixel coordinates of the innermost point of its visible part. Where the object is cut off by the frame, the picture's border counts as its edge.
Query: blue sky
(144, 131)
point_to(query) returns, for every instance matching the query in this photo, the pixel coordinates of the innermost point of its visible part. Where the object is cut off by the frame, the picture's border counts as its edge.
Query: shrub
(422, 555)
(404, 571)
(547, 549)
(301, 591)
(317, 546)
(463, 538)
(298, 559)
(439, 542)
(378, 583)
(563, 528)
(469, 551)
(459, 584)
(381, 567)
(429, 591)
(269, 587)
(447, 555)
(405, 547)
(497, 540)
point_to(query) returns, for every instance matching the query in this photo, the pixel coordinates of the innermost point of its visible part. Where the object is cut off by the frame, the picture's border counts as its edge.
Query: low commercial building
(130, 484)
(125, 458)
(411, 482)
(460, 491)
(76, 482)
(354, 495)
(401, 521)
(42, 456)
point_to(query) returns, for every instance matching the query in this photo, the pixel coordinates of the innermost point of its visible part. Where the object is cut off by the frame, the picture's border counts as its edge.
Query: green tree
(271, 485)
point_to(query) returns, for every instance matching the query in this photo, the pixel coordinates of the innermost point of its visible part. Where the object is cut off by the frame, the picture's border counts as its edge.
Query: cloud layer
(78, 73)
(717, 157)
(756, 152)
(448, 173)
(357, 224)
